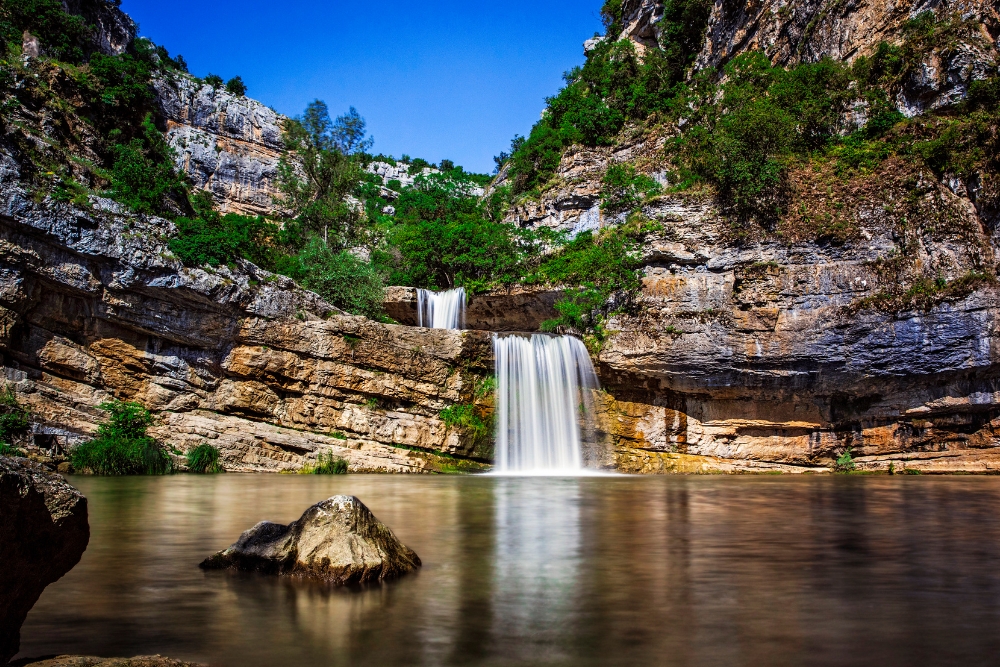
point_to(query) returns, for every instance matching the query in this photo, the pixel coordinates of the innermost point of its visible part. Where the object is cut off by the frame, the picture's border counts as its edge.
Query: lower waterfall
(441, 310)
(545, 385)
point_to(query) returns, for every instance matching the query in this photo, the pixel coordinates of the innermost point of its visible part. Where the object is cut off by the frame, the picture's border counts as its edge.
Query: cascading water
(441, 310)
(544, 385)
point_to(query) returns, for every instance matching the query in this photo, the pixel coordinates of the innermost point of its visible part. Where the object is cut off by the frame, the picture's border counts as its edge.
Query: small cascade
(545, 385)
(441, 310)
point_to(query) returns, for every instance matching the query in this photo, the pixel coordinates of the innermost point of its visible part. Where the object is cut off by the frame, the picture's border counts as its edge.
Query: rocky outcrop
(228, 145)
(43, 533)
(517, 308)
(338, 540)
(94, 307)
(90, 661)
(113, 29)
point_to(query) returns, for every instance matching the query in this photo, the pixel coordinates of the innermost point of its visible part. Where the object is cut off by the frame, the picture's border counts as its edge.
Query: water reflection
(543, 571)
(536, 575)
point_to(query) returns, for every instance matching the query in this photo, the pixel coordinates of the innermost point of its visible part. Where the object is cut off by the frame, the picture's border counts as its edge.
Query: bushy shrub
(213, 80)
(14, 418)
(845, 463)
(344, 280)
(143, 175)
(63, 36)
(444, 238)
(326, 464)
(204, 459)
(122, 446)
(212, 239)
(236, 86)
(624, 189)
(603, 265)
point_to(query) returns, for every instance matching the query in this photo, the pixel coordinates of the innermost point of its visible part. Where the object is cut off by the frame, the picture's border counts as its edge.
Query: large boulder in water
(338, 540)
(43, 533)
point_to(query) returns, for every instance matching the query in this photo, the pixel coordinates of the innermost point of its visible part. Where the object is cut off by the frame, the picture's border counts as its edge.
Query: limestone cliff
(790, 345)
(93, 306)
(228, 145)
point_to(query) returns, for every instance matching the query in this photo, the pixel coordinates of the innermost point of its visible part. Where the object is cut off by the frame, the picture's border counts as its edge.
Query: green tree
(63, 36)
(317, 182)
(236, 86)
(444, 238)
(341, 278)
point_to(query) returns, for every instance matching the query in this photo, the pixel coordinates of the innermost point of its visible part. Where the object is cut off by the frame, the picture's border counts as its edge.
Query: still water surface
(537, 571)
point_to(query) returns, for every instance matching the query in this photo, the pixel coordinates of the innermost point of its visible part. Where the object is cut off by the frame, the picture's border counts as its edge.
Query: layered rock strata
(43, 533)
(95, 307)
(338, 540)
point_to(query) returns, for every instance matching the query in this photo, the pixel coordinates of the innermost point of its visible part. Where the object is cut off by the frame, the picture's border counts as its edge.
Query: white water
(543, 387)
(441, 310)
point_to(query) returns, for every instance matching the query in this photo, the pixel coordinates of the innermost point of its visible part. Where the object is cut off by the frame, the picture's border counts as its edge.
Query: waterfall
(441, 310)
(544, 386)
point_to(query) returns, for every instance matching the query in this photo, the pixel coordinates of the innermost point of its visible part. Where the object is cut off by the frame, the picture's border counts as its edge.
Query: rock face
(43, 533)
(94, 306)
(90, 661)
(338, 540)
(782, 349)
(113, 29)
(229, 145)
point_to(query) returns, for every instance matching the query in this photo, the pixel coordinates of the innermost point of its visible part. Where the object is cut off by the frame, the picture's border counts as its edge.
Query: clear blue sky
(433, 78)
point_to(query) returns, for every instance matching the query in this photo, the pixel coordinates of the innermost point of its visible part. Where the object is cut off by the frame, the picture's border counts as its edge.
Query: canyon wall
(781, 347)
(93, 307)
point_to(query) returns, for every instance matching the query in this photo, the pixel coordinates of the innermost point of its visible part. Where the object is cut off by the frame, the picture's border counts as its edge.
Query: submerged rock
(90, 661)
(338, 540)
(43, 533)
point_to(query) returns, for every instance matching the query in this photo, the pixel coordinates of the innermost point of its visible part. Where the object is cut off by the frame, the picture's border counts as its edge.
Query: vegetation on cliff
(122, 446)
(204, 459)
(14, 422)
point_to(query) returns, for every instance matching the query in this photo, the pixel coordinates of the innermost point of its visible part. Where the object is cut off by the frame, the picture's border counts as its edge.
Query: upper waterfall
(441, 310)
(544, 385)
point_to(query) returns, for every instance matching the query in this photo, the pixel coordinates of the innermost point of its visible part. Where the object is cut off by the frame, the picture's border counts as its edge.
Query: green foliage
(10, 450)
(326, 464)
(603, 266)
(204, 459)
(142, 175)
(212, 239)
(213, 80)
(624, 189)
(614, 86)
(341, 278)
(236, 86)
(316, 188)
(62, 35)
(444, 238)
(14, 418)
(845, 463)
(122, 446)
(468, 418)
(124, 82)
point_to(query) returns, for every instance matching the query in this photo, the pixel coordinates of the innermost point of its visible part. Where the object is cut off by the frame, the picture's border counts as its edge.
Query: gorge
(861, 319)
(705, 372)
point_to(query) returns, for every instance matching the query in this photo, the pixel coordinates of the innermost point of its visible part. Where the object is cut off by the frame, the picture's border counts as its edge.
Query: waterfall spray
(544, 384)
(441, 310)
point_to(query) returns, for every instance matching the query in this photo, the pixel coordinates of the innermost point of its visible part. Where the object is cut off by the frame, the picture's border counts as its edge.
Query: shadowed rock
(90, 661)
(338, 540)
(43, 533)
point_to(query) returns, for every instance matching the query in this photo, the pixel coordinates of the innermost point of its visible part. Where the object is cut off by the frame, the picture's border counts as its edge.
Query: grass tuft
(204, 459)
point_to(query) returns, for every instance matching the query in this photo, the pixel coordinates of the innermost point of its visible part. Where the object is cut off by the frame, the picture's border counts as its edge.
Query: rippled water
(592, 571)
